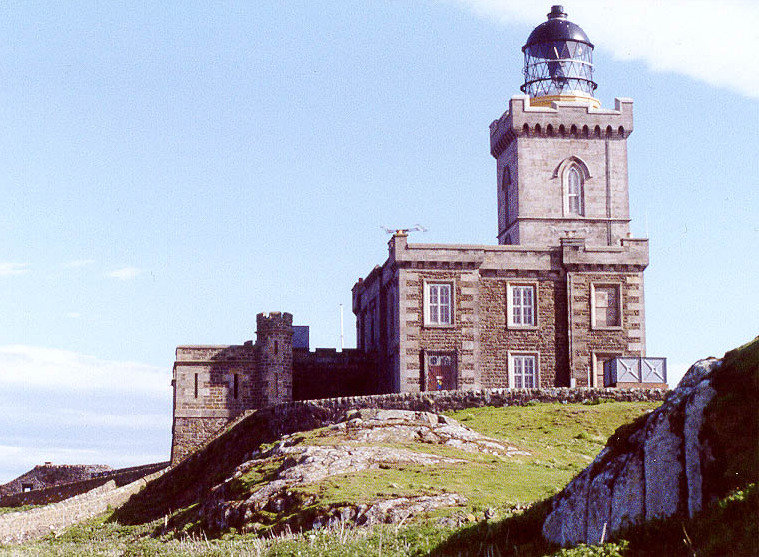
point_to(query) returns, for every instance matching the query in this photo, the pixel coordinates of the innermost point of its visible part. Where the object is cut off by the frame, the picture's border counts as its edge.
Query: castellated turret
(274, 340)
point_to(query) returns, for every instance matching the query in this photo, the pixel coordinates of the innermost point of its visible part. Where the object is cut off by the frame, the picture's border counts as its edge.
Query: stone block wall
(327, 373)
(547, 339)
(591, 343)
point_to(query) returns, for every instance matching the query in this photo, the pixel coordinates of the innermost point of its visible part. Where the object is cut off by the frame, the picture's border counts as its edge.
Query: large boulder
(699, 444)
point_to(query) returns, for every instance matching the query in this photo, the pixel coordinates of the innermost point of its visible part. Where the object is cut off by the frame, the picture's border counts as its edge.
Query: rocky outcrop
(649, 469)
(196, 474)
(367, 439)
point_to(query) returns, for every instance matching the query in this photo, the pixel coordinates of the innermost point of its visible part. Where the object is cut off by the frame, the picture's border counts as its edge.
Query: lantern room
(558, 62)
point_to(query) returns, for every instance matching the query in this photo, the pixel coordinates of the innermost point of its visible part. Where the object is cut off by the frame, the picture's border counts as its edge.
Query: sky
(168, 170)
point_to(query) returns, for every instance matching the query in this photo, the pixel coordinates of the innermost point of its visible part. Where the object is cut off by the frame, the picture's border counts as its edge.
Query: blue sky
(168, 170)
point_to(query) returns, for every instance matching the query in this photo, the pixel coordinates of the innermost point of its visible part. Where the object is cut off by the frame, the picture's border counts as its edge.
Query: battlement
(274, 321)
(560, 120)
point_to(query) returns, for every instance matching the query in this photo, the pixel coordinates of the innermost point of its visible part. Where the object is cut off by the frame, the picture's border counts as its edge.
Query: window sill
(438, 325)
(522, 327)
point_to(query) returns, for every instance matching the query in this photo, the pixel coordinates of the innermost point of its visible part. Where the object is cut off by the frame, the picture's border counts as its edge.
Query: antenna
(342, 333)
(415, 228)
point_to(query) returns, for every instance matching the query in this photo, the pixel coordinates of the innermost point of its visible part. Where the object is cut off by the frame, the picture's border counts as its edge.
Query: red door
(441, 372)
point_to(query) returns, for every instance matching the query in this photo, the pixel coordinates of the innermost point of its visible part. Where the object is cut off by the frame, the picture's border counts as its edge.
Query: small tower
(274, 342)
(562, 159)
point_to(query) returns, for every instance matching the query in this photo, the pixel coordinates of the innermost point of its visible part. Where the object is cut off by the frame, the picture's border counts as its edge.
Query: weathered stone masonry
(215, 384)
(559, 301)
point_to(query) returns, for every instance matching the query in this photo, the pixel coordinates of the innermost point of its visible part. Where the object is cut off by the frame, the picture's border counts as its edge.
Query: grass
(5, 510)
(728, 527)
(561, 438)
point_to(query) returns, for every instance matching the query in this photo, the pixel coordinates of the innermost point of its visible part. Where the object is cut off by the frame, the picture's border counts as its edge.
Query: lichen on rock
(365, 440)
(670, 462)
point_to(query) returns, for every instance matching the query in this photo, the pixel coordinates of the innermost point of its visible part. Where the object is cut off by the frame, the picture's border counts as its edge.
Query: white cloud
(712, 42)
(13, 269)
(66, 407)
(125, 273)
(31, 367)
(75, 414)
(78, 263)
(18, 459)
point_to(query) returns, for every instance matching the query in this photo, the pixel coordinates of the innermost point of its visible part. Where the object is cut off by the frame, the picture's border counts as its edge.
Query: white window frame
(620, 313)
(517, 360)
(433, 305)
(519, 322)
(574, 204)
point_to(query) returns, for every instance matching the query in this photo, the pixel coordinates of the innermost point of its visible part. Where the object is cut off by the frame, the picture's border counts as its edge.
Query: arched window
(506, 186)
(573, 174)
(574, 183)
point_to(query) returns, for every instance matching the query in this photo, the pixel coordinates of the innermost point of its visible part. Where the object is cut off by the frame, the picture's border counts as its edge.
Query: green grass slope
(729, 525)
(562, 439)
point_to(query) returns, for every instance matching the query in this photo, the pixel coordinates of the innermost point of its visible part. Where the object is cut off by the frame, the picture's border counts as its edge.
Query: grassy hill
(561, 439)
(506, 496)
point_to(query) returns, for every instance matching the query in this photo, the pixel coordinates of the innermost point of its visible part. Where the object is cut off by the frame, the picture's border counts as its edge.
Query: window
(196, 385)
(521, 305)
(438, 310)
(605, 302)
(236, 386)
(505, 186)
(523, 371)
(574, 191)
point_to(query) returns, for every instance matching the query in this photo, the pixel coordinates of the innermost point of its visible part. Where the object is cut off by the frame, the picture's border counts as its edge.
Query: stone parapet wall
(34, 523)
(326, 373)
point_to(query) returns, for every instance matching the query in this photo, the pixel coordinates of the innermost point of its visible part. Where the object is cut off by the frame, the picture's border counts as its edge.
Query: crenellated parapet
(560, 120)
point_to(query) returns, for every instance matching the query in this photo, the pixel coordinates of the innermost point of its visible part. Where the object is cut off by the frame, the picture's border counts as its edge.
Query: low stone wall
(56, 493)
(34, 523)
(245, 434)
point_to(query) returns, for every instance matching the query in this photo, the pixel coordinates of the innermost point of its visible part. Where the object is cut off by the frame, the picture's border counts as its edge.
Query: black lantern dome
(558, 62)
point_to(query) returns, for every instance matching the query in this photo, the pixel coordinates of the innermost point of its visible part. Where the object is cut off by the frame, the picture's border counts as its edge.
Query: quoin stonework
(558, 302)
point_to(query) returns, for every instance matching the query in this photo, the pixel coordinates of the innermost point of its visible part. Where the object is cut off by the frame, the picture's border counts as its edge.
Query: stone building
(562, 292)
(557, 302)
(215, 384)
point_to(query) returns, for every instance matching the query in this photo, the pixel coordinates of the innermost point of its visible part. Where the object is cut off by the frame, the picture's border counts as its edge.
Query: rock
(695, 451)
(654, 472)
(362, 439)
(662, 452)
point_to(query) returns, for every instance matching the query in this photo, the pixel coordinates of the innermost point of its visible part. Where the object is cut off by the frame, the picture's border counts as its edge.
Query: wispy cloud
(49, 369)
(13, 269)
(79, 263)
(707, 41)
(17, 459)
(67, 407)
(125, 273)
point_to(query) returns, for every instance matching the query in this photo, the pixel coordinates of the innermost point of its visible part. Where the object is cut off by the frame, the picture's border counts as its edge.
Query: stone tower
(561, 159)
(274, 339)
